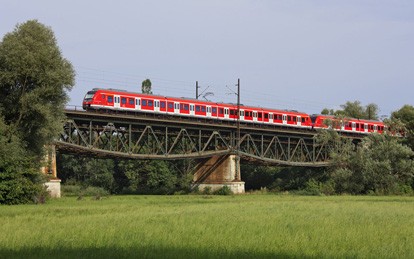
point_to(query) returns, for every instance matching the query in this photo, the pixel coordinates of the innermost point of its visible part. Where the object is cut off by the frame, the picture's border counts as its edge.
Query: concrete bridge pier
(219, 171)
(53, 183)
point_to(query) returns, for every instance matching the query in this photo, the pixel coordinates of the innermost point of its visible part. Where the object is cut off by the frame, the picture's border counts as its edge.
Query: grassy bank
(211, 226)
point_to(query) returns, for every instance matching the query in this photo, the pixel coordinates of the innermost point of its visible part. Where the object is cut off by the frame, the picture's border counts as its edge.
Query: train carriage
(114, 99)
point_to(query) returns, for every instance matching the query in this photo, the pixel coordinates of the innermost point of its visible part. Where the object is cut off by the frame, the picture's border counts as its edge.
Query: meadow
(200, 226)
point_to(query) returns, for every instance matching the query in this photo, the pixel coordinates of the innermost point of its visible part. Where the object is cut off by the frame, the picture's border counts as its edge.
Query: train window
(123, 100)
(303, 120)
(198, 108)
(203, 108)
(170, 105)
(182, 106)
(214, 110)
(150, 103)
(241, 113)
(266, 116)
(294, 118)
(110, 99)
(103, 96)
(162, 104)
(144, 102)
(289, 118)
(260, 115)
(131, 101)
(232, 112)
(221, 111)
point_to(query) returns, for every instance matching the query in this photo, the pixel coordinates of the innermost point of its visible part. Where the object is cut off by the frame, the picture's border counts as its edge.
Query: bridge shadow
(136, 252)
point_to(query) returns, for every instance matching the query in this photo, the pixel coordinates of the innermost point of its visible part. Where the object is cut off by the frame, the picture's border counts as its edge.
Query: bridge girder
(143, 137)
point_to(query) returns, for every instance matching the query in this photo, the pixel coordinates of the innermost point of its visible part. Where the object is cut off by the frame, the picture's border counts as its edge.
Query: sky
(303, 55)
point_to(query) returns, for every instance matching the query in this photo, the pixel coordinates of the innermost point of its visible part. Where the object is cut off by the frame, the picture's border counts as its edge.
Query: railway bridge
(217, 146)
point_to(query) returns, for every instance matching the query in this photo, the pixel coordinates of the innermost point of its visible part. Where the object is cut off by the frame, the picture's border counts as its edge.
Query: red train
(114, 99)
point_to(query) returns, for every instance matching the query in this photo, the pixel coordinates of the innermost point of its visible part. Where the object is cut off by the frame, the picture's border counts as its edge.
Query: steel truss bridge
(150, 136)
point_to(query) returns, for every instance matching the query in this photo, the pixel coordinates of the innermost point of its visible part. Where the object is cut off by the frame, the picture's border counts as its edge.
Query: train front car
(88, 100)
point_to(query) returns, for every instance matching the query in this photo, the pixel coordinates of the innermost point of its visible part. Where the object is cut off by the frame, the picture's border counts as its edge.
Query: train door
(208, 111)
(137, 104)
(284, 119)
(117, 101)
(353, 126)
(241, 115)
(177, 108)
(192, 109)
(226, 113)
(299, 120)
(254, 116)
(365, 127)
(375, 128)
(156, 105)
(270, 117)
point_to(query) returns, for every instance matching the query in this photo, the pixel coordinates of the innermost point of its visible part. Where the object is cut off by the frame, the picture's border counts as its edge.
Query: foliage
(146, 86)
(403, 120)
(86, 171)
(380, 164)
(20, 180)
(126, 176)
(355, 110)
(225, 190)
(34, 78)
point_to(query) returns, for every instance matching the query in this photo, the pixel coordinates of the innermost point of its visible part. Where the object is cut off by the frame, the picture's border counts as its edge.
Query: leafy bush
(206, 190)
(225, 190)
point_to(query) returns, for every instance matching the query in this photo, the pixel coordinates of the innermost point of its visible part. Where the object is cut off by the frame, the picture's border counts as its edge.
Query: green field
(244, 226)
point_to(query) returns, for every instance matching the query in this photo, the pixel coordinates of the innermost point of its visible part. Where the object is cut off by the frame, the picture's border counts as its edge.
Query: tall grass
(245, 226)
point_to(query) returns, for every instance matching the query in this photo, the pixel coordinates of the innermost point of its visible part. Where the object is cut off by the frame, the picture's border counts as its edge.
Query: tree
(20, 180)
(146, 86)
(355, 110)
(371, 111)
(34, 78)
(327, 111)
(403, 119)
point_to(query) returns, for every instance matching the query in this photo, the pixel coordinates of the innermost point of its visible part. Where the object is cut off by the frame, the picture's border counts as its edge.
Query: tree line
(35, 79)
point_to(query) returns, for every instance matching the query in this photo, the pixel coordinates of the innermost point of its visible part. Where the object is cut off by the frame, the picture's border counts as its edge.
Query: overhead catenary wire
(185, 88)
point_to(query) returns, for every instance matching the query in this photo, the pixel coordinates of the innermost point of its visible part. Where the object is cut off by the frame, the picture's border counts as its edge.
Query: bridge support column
(217, 172)
(53, 183)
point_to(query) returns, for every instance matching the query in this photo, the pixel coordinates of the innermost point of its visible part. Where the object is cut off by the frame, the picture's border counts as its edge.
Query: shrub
(225, 190)
(206, 190)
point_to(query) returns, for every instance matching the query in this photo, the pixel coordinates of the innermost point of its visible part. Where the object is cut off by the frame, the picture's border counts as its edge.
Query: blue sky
(303, 55)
